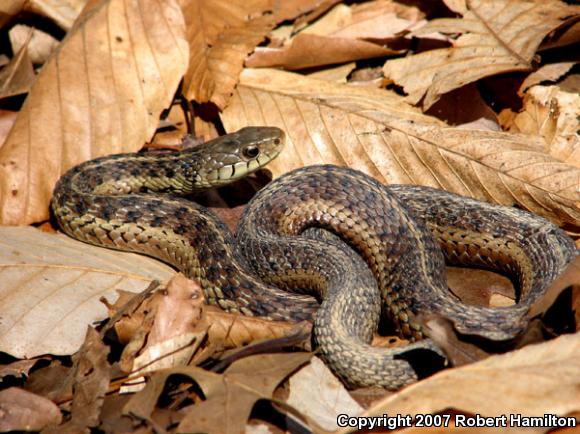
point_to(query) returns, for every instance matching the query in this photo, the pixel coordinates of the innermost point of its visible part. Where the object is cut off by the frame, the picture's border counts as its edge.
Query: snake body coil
(403, 234)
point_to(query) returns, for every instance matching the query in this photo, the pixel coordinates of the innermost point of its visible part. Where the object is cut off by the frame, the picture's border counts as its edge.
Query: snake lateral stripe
(403, 235)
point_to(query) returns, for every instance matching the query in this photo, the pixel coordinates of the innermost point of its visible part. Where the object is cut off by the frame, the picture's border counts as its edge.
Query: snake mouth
(232, 172)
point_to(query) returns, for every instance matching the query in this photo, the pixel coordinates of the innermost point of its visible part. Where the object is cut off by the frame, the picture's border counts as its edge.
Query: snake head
(236, 155)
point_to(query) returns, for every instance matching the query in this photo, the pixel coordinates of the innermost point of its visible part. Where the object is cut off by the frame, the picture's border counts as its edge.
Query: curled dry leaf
(535, 380)
(91, 381)
(133, 56)
(51, 287)
(379, 20)
(16, 77)
(230, 396)
(552, 114)
(320, 396)
(220, 35)
(344, 34)
(7, 119)
(376, 132)
(308, 51)
(231, 331)
(176, 332)
(19, 368)
(39, 44)
(550, 72)
(63, 13)
(8, 10)
(22, 410)
(496, 36)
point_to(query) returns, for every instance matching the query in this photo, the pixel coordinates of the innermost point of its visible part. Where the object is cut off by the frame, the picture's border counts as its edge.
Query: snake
(322, 243)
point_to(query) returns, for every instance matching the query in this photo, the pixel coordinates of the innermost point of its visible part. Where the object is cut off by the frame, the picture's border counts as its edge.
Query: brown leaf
(91, 381)
(458, 352)
(536, 380)
(132, 57)
(17, 77)
(229, 396)
(552, 114)
(480, 287)
(232, 331)
(7, 119)
(376, 132)
(550, 72)
(377, 20)
(220, 36)
(19, 368)
(22, 410)
(496, 37)
(8, 10)
(307, 51)
(63, 13)
(344, 34)
(40, 45)
(53, 382)
(175, 332)
(289, 10)
(52, 285)
(319, 395)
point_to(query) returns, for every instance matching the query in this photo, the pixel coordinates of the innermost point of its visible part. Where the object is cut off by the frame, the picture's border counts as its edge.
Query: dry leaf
(62, 12)
(176, 332)
(22, 410)
(552, 114)
(7, 119)
(342, 35)
(233, 331)
(533, 381)
(319, 395)
(451, 107)
(307, 51)
(376, 20)
(549, 72)
(376, 132)
(19, 368)
(220, 36)
(9, 9)
(39, 44)
(230, 396)
(288, 10)
(133, 62)
(496, 37)
(51, 287)
(16, 77)
(91, 381)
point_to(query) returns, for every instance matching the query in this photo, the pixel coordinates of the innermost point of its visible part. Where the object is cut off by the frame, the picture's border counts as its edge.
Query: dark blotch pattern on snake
(403, 234)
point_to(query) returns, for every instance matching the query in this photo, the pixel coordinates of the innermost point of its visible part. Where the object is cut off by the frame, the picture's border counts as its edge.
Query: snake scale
(300, 233)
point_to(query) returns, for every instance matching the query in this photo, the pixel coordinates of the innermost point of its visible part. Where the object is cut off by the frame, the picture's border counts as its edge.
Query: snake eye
(251, 151)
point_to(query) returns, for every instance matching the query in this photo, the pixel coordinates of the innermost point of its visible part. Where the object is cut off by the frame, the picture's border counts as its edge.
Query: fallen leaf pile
(477, 97)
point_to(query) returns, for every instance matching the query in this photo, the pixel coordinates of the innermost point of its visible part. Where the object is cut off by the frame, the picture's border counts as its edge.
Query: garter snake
(403, 234)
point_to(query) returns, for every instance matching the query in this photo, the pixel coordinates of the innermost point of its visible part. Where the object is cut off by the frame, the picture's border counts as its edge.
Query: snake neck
(160, 172)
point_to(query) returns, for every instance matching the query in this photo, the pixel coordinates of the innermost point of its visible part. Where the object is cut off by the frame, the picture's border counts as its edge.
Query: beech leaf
(51, 286)
(132, 63)
(375, 131)
(497, 36)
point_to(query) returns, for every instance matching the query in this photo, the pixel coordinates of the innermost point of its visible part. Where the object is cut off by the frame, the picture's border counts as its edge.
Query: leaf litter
(406, 93)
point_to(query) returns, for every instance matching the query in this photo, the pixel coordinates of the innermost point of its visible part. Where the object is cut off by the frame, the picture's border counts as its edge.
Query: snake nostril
(276, 141)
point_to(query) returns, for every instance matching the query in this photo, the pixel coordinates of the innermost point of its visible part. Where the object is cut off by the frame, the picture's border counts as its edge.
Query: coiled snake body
(403, 234)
